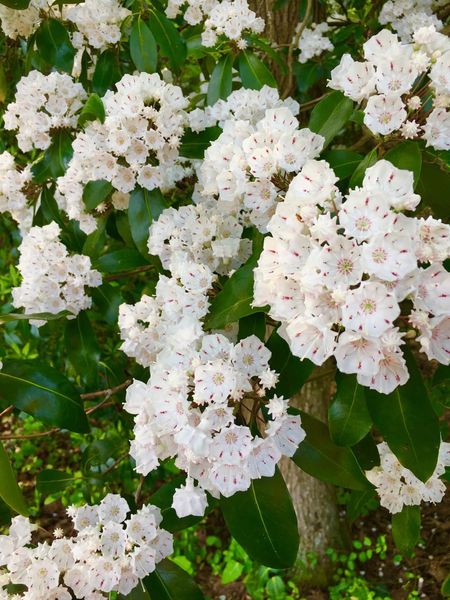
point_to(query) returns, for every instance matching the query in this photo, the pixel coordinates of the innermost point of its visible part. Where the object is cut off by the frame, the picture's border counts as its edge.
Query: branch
(136, 271)
(293, 45)
(108, 392)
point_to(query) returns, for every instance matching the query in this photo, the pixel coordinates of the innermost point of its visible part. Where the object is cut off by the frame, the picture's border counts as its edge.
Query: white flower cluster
(229, 18)
(386, 80)
(98, 21)
(42, 104)
(136, 145)
(313, 41)
(52, 280)
(110, 552)
(407, 16)
(12, 196)
(242, 104)
(22, 23)
(206, 236)
(245, 167)
(335, 273)
(397, 486)
(188, 410)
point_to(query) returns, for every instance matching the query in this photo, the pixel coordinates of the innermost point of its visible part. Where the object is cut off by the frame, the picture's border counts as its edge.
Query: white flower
(311, 338)
(436, 130)
(355, 79)
(356, 353)
(189, 500)
(113, 508)
(389, 256)
(250, 356)
(384, 113)
(370, 309)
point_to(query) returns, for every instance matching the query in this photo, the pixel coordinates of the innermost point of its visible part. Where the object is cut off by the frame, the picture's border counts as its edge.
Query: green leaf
(119, 261)
(234, 300)
(144, 208)
(233, 570)
(360, 503)
(17, 4)
(406, 528)
(82, 349)
(143, 47)
(358, 175)
(343, 162)
(106, 73)
(253, 325)
(406, 155)
(348, 417)
(434, 185)
(107, 299)
(54, 45)
(292, 371)
(253, 72)
(170, 42)
(51, 481)
(169, 582)
(48, 210)
(445, 588)
(9, 317)
(407, 422)
(95, 192)
(330, 115)
(221, 82)
(193, 145)
(10, 492)
(163, 499)
(54, 162)
(366, 452)
(139, 593)
(92, 110)
(41, 391)
(95, 241)
(319, 456)
(262, 519)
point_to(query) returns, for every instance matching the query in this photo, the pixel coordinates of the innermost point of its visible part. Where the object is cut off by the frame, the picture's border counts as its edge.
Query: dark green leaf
(348, 417)
(407, 422)
(366, 452)
(321, 458)
(8, 317)
(95, 192)
(51, 481)
(169, 582)
(107, 300)
(193, 145)
(144, 208)
(253, 325)
(163, 499)
(292, 371)
(406, 528)
(17, 4)
(143, 47)
(92, 110)
(221, 82)
(82, 349)
(117, 261)
(170, 42)
(41, 391)
(106, 73)
(264, 522)
(253, 72)
(343, 162)
(95, 241)
(434, 185)
(56, 158)
(406, 155)
(48, 209)
(358, 175)
(306, 75)
(234, 301)
(54, 45)
(139, 593)
(330, 115)
(445, 588)
(360, 503)
(10, 492)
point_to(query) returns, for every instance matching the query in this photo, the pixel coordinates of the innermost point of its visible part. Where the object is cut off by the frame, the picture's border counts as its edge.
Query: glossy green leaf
(95, 192)
(163, 499)
(41, 391)
(48, 209)
(54, 45)
(92, 110)
(170, 42)
(54, 162)
(169, 582)
(10, 492)
(139, 593)
(144, 208)
(17, 4)
(358, 175)
(366, 453)
(221, 82)
(262, 519)
(343, 162)
(95, 241)
(319, 456)
(51, 481)
(407, 422)
(434, 185)
(330, 115)
(193, 145)
(107, 299)
(406, 155)
(120, 261)
(253, 72)
(82, 349)
(143, 47)
(234, 301)
(292, 371)
(253, 325)
(9, 317)
(348, 417)
(406, 528)
(106, 73)
(360, 503)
